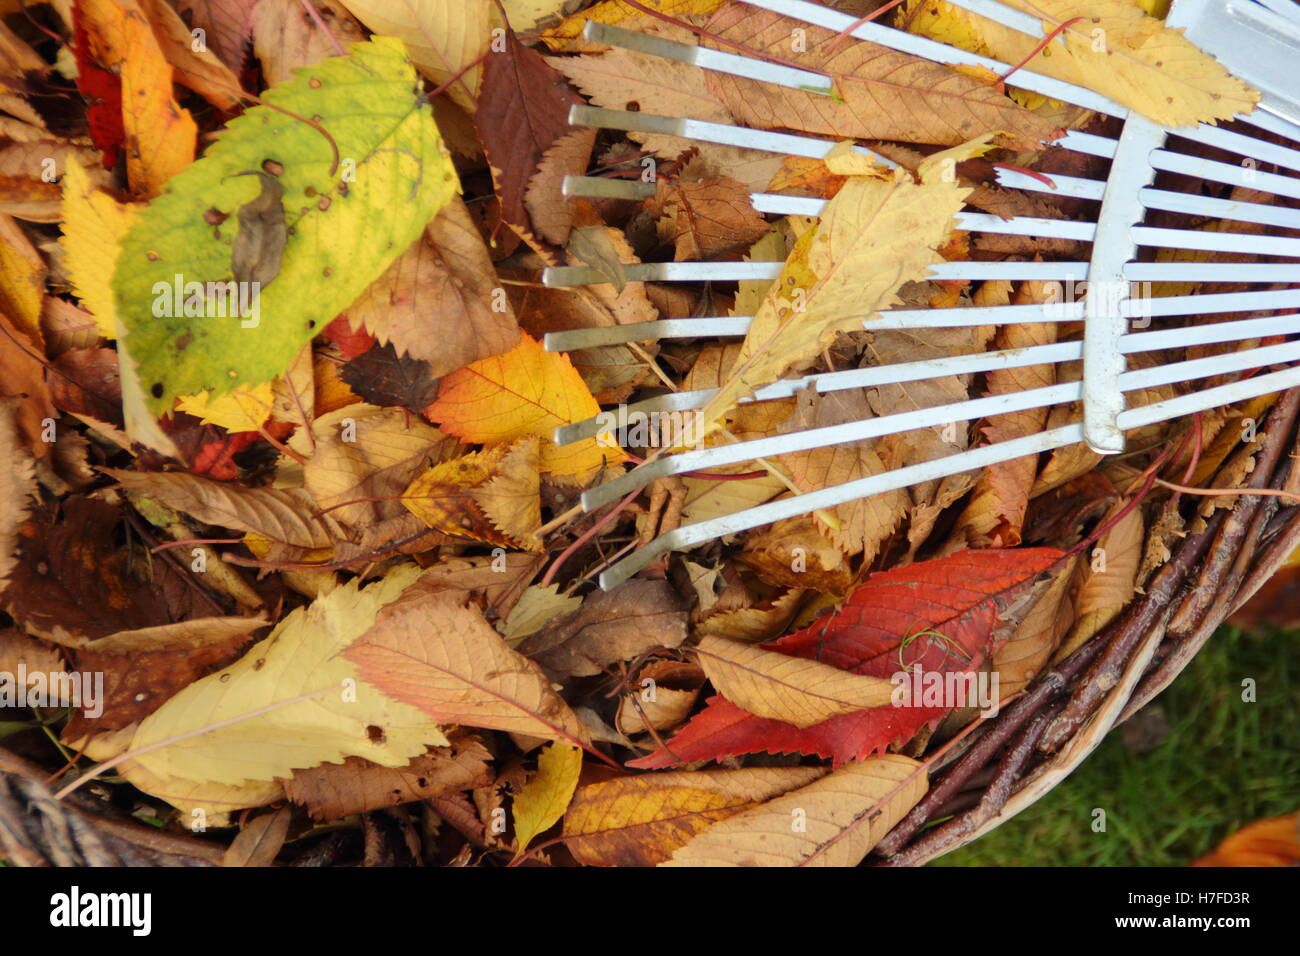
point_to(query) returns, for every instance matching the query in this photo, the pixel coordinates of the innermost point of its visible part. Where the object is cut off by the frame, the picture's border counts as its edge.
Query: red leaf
(102, 91)
(962, 597)
(349, 341)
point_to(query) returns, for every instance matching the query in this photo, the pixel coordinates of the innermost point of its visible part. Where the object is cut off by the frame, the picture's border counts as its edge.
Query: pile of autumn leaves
(384, 685)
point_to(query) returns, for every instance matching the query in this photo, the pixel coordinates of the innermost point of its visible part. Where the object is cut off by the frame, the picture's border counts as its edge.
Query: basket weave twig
(1037, 741)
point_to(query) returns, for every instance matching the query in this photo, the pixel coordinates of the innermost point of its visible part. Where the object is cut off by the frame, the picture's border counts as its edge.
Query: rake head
(1114, 340)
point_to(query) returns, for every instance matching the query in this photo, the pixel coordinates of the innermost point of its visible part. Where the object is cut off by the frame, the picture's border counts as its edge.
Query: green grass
(1224, 764)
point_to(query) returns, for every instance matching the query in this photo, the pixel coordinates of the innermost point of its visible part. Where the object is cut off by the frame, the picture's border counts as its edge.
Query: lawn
(1225, 763)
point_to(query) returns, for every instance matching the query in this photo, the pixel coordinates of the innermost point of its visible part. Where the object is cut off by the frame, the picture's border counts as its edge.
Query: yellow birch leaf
(244, 410)
(791, 689)
(93, 226)
(545, 797)
(1109, 578)
(841, 816)
(302, 655)
(1116, 50)
(874, 235)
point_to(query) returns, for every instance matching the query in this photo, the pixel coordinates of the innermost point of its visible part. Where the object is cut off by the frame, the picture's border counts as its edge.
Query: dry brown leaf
(996, 510)
(362, 457)
(440, 301)
(1030, 647)
(707, 219)
(286, 36)
(260, 841)
(794, 553)
(331, 791)
(661, 696)
(17, 484)
(833, 821)
(284, 516)
(611, 626)
(550, 210)
(755, 623)
(865, 524)
(641, 820)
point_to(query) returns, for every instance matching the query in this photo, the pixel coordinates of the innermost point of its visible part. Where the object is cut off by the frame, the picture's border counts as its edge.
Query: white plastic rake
(1257, 40)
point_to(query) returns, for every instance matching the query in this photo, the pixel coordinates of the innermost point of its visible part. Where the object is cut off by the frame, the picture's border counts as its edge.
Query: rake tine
(958, 317)
(689, 536)
(1239, 330)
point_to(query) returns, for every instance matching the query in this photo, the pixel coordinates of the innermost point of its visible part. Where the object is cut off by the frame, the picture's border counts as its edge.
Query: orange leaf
(526, 391)
(160, 134)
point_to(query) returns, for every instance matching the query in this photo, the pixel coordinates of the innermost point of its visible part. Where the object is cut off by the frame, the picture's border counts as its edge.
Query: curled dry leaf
(610, 626)
(661, 696)
(357, 785)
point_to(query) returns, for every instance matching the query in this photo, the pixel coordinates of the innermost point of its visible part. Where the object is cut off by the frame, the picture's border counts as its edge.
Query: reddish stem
(1042, 45)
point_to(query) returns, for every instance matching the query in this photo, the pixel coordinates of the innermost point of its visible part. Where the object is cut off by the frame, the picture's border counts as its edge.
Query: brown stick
(1213, 572)
(1044, 687)
(995, 797)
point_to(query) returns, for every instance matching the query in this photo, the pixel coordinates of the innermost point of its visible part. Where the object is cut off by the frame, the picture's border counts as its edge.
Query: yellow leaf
(526, 391)
(833, 821)
(612, 11)
(1116, 50)
(443, 37)
(544, 798)
(791, 689)
(640, 820)
(301, 656)
(160, 135)
(490, 495)
(244, 410)
(874, 235)
(22, 279)
(93, 226)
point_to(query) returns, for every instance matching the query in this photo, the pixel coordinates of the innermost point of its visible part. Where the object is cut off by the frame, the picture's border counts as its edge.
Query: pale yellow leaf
(791, 689)
(833, 821)
(343, 718)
